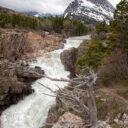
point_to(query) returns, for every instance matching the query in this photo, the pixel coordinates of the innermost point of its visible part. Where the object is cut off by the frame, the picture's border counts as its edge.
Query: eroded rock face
(25, 45)
(15, 82)
(70, 56)
(13, 44)
(68, 59)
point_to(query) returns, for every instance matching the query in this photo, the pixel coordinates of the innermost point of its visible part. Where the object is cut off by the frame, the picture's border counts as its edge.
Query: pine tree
(101, 27)
(120, 24)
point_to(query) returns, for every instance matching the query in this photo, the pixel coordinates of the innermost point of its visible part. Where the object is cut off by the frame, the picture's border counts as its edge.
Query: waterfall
(32, 112)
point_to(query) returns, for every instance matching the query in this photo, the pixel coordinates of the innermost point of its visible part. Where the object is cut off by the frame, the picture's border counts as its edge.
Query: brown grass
(111, 107)
(114, 68)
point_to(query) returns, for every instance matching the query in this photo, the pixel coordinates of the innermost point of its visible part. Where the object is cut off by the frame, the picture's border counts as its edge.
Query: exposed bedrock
(15, 82)
(70, 56)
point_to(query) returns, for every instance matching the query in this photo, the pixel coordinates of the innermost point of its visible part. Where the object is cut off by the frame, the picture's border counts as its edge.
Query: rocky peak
(98, 10)
(103, 3)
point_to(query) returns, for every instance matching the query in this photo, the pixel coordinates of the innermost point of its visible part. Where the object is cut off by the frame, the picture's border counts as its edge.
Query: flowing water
(33, 110)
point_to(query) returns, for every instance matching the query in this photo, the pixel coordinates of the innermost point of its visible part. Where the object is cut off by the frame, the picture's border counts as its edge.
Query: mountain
(90, 11)
(37, 14)
(8, 11)
(4, 10)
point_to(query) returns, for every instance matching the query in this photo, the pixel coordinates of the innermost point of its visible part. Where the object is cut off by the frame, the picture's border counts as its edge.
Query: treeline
(50, 24)
(108, 51)
(20, 21)
(64, 26)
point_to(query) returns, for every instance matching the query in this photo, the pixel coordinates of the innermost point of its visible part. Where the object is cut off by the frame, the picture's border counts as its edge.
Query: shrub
(111, 107)
(94, 53)
(19, 20)
(114, 68)
(101, 27)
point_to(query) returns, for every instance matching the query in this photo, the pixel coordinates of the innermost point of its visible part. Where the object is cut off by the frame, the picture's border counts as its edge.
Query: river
(32, 112)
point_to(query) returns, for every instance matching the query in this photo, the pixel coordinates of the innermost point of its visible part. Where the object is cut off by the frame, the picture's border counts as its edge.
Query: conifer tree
(120, 24)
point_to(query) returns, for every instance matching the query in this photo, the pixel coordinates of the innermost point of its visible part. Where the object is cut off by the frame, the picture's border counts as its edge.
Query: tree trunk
(92, 107)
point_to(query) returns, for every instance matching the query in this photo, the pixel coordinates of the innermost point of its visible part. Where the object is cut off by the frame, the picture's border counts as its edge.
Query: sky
(42, 6)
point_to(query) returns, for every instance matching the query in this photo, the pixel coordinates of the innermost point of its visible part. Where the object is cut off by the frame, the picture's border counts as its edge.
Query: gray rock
(15, 82)
(81, 10)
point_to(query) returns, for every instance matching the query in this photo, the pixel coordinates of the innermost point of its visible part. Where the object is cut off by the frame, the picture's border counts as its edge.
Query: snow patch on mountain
(99, 10)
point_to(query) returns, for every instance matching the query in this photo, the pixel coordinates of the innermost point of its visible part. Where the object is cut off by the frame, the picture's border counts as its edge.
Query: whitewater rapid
(32, 112)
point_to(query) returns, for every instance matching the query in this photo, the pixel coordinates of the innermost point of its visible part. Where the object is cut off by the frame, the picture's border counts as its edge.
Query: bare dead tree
(87, 81)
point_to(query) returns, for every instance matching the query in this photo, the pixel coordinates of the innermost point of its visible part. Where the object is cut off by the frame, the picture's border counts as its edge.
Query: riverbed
(32, 112)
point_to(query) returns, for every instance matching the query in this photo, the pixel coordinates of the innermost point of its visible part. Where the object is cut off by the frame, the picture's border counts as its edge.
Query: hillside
(4, 10)
(65, 26)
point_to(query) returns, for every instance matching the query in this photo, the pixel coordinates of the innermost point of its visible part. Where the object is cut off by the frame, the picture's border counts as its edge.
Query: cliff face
(97, 10)
(13, 44)
(23, 44)
(70, 56)
(16, 76)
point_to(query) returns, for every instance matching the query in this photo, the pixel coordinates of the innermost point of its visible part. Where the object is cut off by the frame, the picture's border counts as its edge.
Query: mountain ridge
(98, 10)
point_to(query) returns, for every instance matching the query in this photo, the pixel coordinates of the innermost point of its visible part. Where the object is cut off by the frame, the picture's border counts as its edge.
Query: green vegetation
(114, 68)
(109, 57)
(119, 25)
(113, 124)
(109, 106)
(108, 39)
(94, 54)
(51, 24)
(107, 54)
(84, 19)
(64, 26)
(19, 21)
(101, 27)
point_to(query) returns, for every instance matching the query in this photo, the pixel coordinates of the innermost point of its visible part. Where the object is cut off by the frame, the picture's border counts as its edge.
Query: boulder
(69, 120)
(68, 59)
(70, 56)
(29, 74)
(38, 69)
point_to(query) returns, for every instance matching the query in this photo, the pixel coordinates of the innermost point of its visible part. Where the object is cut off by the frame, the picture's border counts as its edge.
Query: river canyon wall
(17, 48)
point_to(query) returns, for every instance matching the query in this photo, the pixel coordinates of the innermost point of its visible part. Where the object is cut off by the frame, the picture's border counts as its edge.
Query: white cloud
(42, 6)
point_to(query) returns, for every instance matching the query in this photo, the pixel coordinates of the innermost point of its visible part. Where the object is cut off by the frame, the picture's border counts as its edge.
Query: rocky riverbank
(108, 106)
(15, 81)
(70, 56)
(17, 47)
(68, 59)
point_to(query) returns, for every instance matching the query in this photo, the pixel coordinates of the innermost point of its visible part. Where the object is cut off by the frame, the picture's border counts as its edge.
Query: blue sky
(42, 6)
